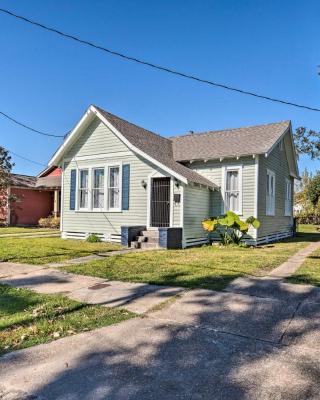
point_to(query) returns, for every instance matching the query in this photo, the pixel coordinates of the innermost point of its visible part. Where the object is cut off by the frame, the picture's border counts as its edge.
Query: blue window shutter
(125, 186)
(73, 179)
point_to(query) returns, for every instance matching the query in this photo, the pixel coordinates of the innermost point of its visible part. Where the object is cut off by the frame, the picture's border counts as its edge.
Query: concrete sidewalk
(205, 345)
(257, 340)
(136, 297)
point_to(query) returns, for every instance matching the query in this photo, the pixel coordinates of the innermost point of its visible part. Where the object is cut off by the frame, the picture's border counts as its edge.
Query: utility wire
(152, 65)
(27, 159)
(28, 127)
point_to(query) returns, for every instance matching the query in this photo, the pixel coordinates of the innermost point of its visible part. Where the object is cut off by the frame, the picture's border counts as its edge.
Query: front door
(160, 202)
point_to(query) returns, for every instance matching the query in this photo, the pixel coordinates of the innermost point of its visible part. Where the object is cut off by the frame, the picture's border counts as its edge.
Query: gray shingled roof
(227, 143)
(27, 181)
(49, 182)
(155, 146)
(172, 152)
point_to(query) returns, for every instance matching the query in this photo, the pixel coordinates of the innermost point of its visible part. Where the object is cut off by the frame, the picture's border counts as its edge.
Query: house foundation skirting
(274, 237)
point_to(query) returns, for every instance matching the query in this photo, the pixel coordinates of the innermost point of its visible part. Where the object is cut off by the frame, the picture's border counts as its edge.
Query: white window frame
(271, 200)
(288, 198)
(114, 209)
(78, 189)
(225, 170)
(90, 169)
(93, 189)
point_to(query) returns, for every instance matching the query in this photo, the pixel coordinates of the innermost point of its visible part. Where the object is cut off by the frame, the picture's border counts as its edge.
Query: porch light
(144, 184)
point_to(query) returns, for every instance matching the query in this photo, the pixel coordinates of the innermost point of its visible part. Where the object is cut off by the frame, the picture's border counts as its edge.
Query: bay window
(270, 193)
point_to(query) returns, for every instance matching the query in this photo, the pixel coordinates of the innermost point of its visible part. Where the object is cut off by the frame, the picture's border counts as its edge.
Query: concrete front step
(135, 244)
(144, 245)
(150, 233)
(148, 245)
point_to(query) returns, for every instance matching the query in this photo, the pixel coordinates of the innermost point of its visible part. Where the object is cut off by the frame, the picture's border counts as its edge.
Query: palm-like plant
(230, 227)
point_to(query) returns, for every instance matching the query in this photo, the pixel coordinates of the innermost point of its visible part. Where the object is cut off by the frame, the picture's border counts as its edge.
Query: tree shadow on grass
(206, 345)
(13, 301)
(305, 237)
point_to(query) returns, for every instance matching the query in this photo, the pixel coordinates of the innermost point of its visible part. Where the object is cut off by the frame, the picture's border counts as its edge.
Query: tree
(5, 168)
(5, 175)
(307, 142)
(314, 190)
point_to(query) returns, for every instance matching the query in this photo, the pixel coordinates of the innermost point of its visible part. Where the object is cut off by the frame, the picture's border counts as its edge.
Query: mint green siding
(213, 171)
(98, 146)
(276, 162)
(196, 208)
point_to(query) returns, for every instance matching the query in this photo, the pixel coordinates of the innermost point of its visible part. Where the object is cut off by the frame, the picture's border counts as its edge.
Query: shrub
(51, 222)
(93, 238)
(230, 227)
(314, 190)
(309, 219)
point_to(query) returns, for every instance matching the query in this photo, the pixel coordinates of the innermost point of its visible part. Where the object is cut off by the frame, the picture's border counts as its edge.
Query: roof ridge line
(227, 129)
(28, 176)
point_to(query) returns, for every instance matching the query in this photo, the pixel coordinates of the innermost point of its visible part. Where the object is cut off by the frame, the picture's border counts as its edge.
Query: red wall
(30, 207)
(56, 172)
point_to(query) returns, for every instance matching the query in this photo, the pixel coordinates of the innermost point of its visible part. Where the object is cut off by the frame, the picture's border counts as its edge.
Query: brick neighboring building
(32, 198)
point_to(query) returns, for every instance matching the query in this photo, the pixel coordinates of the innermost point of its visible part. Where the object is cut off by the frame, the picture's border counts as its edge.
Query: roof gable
(154, 148)
(228, 143)
(168, 153)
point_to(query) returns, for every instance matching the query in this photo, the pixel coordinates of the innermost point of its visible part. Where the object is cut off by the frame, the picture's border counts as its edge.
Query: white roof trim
(90, 113)
(73, 135)
(288, 130)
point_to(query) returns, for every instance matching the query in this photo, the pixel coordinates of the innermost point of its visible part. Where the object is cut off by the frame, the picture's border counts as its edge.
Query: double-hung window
(233, 190)
(83, 195)
(288, 195)
(98, 189)
(270, 195)
(114, 188)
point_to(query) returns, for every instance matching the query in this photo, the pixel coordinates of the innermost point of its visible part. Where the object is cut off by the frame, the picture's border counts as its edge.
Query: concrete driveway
(260, 339)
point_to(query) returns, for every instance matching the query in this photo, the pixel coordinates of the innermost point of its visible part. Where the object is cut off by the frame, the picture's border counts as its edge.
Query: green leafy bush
(93, 238)
(230, 227)
(314, 190)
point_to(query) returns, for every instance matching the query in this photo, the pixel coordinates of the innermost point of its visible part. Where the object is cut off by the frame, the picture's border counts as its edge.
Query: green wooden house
(127, 184)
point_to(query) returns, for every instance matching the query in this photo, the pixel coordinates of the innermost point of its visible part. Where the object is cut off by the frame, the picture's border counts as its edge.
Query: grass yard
(28, 318)
(211, 267)
(309, 272)
(42, 250)
(18, 230)
(308, 228)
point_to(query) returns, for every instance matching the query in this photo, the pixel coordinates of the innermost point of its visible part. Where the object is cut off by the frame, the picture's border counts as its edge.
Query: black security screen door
(160, 202)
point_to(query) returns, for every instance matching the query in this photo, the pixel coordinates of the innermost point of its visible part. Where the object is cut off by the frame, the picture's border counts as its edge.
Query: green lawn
(28, 318)
(42, 250)
(16, 229)
(211, 267)
(309, 272)
(308, 228)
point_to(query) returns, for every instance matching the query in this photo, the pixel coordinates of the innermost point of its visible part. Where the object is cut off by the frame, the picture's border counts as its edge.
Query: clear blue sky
(271, 47)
